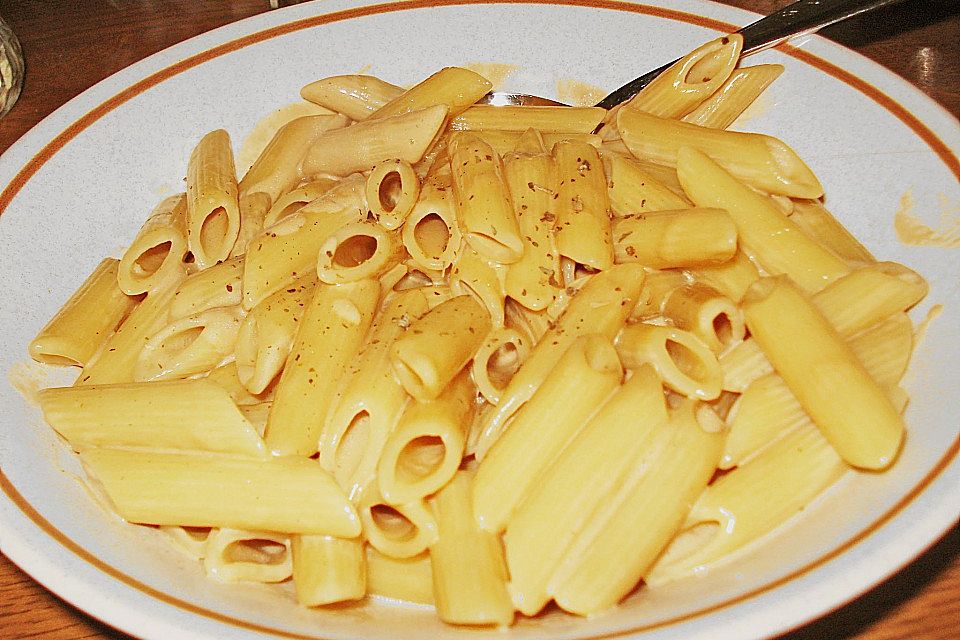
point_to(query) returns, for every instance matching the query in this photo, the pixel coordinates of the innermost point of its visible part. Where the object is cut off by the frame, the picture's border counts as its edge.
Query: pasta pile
(483, 357)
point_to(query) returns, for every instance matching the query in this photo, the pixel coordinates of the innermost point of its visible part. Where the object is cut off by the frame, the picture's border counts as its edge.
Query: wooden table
(70, 45)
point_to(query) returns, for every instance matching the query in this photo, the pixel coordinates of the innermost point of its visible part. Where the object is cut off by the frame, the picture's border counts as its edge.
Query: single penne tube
(266, 334)
(584, 477)
(601, 306)
(672, 239)
(213, 207)
(116, 360)
(399, 531)
(483, 279)
(752, 500)
(287, 495)
(85, 321)
(776, 243)
(277, 170)
(431, 233)
(870, 294)
(707, 314)
(657, 288)
(157, 253)
(425, 449)
(691, 80)
(177, 414)
(543, 119)
(632, 190)
(582, 231)
(831, 384)
(355, 96)
(363, 145)
(403, 579)
(580, 382)
(288, 250)
(462, 548)
(684, 361)
(438, 345)
(328, 569)
(225, 376)
(739, 91)
(731, 278)
(818, 223)
(294, 200)
(454, 87)
(216, 286)
(254, 208)
(190, 345)
(357, 251)
(530, 324)
(371, 400)
(497, 360)
(330, 334)
(534, 279)
(237, 555)
(761, 161)
(393, 189)
(483, 206)
(504, 142)
(671, 468)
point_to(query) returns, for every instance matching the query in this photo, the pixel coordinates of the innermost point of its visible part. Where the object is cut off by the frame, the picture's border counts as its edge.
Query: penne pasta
(355, 96)
(463, 549)
(392, 191)
(497, 360)
(357, 251)
(735, 95)
(328, 569)
(454, 87)
(582, 379)
(482, 279)
(399, 531)
(682, 360)
(156, 254)
(277, 170)
(673, 239)
(758, 160)
(195, 415)
(776, 243)
(690, 80)
(484, 210)
(85, 321)
(363, 145)
(545, 119)
(582, 230)
(213, 208)
(284, 494)
(819, 368)
(329, 336)
(235, 555)
(217, 286)
(404, 579)
(254, 209)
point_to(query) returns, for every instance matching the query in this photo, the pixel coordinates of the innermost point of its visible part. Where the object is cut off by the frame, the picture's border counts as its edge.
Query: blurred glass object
(11, 68)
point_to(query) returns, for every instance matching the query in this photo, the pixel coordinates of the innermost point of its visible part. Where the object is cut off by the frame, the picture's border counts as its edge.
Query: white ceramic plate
(79, 184)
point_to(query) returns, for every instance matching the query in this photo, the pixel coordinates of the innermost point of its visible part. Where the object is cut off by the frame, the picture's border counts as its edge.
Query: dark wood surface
(70, 45)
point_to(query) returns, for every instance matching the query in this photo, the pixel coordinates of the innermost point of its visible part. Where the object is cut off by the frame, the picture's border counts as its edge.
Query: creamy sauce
(579, 94)
(912, 231)
(263, 131)
(497, 73)
(28, 378)
(920, 332)
(757, 109)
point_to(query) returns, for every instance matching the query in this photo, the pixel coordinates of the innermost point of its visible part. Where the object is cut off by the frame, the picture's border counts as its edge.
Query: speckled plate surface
(77, 187)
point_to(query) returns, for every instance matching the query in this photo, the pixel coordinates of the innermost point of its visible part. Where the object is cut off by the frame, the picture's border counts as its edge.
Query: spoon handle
(801, 17)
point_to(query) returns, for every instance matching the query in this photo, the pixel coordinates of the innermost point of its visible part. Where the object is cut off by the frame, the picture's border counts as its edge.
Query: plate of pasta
(353, 354)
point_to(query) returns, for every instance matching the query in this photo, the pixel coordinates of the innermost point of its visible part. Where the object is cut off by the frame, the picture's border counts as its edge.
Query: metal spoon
(801, 17)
